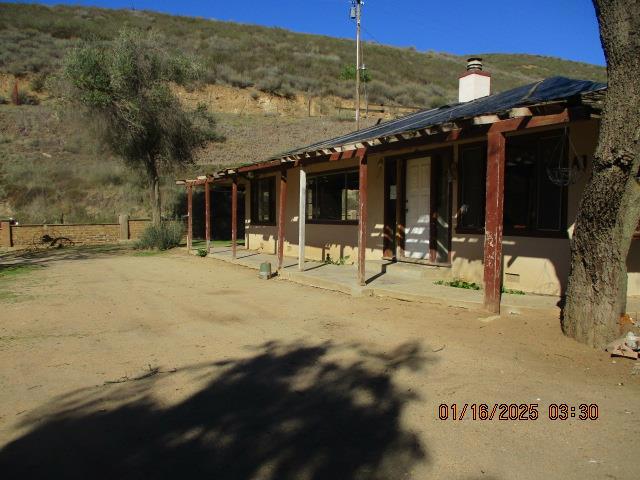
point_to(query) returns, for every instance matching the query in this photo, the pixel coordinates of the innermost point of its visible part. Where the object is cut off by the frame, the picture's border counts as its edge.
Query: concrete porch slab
(401, 281)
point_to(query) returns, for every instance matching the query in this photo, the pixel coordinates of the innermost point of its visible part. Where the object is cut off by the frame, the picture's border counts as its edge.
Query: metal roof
(545, 91)
(548, 91)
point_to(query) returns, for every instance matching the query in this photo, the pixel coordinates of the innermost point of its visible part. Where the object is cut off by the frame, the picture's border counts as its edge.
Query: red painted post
(281, 216)
(493, 221)
(234, 217)
(207, 214)
(15, 96)
(189, 216)
(362, 216)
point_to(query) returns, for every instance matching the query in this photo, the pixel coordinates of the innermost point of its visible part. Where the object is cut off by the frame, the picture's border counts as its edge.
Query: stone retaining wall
(80, 234)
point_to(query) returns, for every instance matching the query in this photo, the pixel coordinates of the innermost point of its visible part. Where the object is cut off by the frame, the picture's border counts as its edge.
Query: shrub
(349, 73)
(162, 237)
(202, 252)
(25, 99)
(38, 82)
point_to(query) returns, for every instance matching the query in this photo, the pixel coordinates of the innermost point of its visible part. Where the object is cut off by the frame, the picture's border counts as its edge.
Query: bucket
(265, 271)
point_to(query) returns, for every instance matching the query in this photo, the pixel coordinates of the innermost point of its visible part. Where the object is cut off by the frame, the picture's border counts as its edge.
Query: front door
(417, 228)
(440, 208)
(390, 208)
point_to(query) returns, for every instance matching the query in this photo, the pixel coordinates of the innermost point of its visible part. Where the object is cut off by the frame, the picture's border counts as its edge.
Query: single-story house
(487, 187)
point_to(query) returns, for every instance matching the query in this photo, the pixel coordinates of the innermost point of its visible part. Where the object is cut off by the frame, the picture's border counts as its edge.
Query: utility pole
(358, 6)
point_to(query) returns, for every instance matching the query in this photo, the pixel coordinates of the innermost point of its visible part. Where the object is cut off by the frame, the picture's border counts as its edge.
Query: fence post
(123, 220)
(5, 234)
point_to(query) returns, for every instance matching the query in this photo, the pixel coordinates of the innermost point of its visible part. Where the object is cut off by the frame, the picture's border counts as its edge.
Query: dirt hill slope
(271, 90)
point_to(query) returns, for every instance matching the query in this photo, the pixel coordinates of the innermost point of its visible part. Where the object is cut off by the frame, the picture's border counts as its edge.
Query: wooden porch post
(302, 217)
(281, 216)
(401, 206)
(494, 211)
(362, 216)
(234, 217)
(189, 216)
(207, 214)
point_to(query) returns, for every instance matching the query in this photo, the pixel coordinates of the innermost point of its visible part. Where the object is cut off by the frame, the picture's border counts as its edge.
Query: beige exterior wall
(321, 239)
(540, 265)
(531, 264)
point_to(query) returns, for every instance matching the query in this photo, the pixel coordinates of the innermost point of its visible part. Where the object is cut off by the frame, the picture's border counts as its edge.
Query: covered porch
(402, 281)
(289, 220)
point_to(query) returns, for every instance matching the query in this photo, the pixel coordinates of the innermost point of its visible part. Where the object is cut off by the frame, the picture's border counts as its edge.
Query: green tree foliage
(124, 86)
(349, 73)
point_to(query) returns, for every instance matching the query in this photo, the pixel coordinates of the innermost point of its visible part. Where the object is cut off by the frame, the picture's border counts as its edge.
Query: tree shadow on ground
(51, 255)
(289, 411)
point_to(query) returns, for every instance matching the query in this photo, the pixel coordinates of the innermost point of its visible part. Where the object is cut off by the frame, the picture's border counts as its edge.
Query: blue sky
(560, 28)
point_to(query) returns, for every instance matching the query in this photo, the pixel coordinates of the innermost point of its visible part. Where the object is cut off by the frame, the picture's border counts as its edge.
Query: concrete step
(410, 270)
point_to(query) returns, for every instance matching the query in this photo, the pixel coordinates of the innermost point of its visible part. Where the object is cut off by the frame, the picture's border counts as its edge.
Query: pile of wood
(627, 346)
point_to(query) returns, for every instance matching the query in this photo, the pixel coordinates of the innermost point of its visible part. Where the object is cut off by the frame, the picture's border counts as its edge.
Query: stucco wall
(322, 239)
(531, 264)
(540, 265)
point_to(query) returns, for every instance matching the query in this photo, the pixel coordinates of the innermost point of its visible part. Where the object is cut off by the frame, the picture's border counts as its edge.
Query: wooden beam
(259, 166)
(189, 217)
(494, 213)
(362, 216)
(282, 204)
(207, 214)
(485, 119)
(525, 117)
(234, 217)
(302, 217)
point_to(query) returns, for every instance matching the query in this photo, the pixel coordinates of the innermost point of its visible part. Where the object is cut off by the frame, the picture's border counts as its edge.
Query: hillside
(34, 38)
(50, 166)
(270, 89)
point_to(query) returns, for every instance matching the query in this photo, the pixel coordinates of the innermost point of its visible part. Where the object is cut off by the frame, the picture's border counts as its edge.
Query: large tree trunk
(154, 192)
(610, 206)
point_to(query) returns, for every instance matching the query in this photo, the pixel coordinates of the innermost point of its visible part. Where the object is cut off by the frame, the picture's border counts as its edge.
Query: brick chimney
(474, 83)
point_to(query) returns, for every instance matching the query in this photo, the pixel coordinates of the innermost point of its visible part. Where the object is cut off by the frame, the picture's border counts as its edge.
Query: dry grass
(34, 38)
(51, 167)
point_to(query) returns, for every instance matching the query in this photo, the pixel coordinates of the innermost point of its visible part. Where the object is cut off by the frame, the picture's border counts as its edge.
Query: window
(533, 204)
(333, 197)
(263, 201)
(472, 184)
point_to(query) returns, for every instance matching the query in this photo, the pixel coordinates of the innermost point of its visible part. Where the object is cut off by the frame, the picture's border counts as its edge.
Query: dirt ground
(117, 365)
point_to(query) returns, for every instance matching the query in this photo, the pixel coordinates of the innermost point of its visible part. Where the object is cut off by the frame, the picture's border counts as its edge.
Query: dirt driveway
(169, 366)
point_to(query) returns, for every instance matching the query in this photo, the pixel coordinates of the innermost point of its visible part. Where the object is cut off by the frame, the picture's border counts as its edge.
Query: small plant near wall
(457, 283)
(511, 291)
(340, 261)
(202, 252)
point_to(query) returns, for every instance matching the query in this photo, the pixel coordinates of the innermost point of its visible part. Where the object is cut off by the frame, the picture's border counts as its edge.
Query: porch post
(302, 217)
(493, 221)
(362, 216)
(189, 216)
(400, 206)
(207, 214)
(234, 217)
(281, 216)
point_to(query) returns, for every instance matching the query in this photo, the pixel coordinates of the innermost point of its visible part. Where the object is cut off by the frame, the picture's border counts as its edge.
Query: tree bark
(610, 207)
(154, 192)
